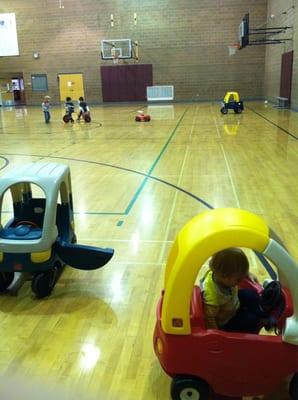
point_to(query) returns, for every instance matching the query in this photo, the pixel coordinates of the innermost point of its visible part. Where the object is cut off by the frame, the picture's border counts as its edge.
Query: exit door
(71, 85)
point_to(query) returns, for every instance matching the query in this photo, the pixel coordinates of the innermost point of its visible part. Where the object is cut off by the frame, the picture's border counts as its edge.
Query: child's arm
(210, 313)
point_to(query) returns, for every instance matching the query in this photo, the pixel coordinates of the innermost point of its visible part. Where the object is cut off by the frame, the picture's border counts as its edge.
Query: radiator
(158, 93)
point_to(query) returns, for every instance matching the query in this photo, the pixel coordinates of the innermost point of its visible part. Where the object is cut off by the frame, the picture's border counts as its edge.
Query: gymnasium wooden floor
(135, 185)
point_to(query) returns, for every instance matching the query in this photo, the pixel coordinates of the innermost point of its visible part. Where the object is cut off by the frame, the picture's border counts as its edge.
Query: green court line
(142, 185)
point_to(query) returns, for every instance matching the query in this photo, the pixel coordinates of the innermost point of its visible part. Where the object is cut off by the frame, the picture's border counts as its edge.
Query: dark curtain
(125, 82)
(286, 74)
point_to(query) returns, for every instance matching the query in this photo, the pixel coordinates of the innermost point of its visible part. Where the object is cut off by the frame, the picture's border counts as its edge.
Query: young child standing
(46, 109)
(226, 307)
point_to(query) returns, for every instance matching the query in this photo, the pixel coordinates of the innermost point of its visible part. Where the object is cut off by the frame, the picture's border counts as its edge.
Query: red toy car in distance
(141, 117)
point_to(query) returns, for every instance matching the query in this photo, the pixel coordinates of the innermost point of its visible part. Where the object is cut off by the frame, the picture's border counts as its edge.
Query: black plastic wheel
(224, 110)
(293, 389)
(189, 388)
(6, 279)
(44, 282)
(237, 110)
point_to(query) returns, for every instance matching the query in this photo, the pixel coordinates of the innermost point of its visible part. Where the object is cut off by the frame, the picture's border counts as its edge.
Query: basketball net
(233, 49)
(114, 55)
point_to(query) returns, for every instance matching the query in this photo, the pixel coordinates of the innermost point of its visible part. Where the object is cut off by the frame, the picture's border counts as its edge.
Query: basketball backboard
(116, 48)
(265, 33)
(244, 32)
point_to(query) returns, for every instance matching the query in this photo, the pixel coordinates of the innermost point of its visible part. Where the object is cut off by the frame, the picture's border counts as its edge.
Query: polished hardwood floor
(135, 185)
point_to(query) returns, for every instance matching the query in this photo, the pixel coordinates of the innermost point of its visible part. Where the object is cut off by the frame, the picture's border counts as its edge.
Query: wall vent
(160, 93)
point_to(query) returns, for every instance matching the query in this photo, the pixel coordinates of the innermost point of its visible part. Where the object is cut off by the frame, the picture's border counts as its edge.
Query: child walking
(46, 109)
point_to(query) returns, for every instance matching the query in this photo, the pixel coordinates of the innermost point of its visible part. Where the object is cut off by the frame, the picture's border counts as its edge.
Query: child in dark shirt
(83, 108)
(69, 108)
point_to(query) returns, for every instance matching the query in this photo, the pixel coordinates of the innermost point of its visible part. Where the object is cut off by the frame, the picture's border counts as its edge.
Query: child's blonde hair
(232, 261)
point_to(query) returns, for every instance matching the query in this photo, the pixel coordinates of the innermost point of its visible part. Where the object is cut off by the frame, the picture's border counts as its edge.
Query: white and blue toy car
(40, 239)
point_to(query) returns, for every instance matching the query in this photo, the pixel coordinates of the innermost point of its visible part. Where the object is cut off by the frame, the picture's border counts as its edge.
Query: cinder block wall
(281, 13)
(185, 40)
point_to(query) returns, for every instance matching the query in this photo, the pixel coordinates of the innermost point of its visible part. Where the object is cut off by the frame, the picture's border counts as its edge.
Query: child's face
(227, 280)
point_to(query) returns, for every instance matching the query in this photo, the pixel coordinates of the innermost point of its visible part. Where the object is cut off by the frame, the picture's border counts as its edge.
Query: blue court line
(273, 123)
(263, 260)
(142, 185)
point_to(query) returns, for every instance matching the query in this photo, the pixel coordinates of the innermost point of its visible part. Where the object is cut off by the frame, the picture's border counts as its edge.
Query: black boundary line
(54, 129)
(263, 260)
(6, 162)
(273, 123)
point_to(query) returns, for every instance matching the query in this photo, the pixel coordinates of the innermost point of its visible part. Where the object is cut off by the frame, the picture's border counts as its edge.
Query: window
(39, 83)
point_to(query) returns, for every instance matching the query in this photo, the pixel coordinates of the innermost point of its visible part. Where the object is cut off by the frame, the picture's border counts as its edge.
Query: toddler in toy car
(226, 306)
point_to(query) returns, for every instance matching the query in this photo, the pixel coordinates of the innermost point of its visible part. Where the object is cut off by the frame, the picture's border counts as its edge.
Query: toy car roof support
(234, 95)
(207, 234)
(51, 178)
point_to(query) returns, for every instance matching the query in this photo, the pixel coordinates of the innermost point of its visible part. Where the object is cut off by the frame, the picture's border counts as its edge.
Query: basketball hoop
(233, 49)
(114, 54)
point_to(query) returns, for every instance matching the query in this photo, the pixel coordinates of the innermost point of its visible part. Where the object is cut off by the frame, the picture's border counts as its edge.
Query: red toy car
(87, 116)
(66, 118)
(232, 364)
(141, 117)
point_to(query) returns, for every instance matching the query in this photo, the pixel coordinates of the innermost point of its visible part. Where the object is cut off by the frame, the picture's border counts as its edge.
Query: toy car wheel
(44, 282)
(237, 110)
(223, 110)
(6, 279)
(189, 388)
(293, 389)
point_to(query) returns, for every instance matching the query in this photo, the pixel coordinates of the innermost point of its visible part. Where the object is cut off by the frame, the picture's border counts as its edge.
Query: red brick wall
(185, 41)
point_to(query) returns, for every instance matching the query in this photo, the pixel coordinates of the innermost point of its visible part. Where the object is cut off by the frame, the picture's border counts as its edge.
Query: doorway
(18, 90)
(13, 89)
(71, 85)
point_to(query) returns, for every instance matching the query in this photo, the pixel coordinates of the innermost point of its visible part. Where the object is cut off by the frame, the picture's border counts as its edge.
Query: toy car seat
(197, 309)
(272, 296)
(273, 302)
